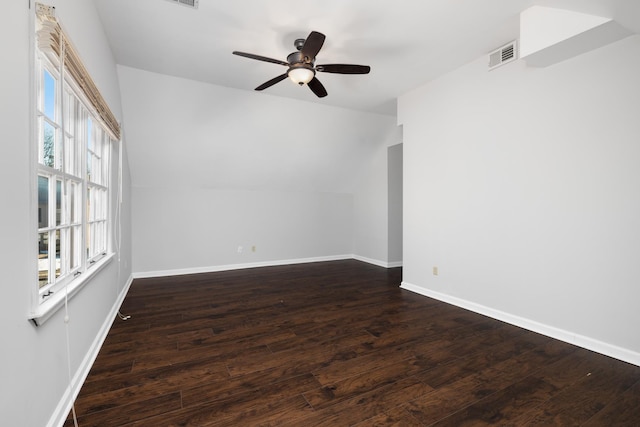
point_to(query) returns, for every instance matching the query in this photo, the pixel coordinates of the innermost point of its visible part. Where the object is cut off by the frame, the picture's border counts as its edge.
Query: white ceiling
(407, 43)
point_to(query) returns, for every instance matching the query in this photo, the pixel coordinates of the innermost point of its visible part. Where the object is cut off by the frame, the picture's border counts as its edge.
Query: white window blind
(52, 40)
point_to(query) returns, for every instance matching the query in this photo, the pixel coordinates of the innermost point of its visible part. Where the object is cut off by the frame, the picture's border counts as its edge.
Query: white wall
(33, 364)
(394, 172)
(371, 231)
(196, 229)
(215, 168)
(522, 185)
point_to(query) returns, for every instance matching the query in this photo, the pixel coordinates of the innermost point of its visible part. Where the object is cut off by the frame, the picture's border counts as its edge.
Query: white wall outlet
(239, 249)
(435, 270)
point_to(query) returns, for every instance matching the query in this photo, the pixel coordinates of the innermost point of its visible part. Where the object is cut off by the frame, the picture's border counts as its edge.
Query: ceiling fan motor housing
(298, 58)
(299, 43)
(297, 61)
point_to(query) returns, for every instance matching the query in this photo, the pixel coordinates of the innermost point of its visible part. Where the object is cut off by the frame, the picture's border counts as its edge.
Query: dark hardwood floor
(333, 344)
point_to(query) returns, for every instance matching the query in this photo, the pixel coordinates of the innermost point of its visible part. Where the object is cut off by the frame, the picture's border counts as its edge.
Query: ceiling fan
(302, 68)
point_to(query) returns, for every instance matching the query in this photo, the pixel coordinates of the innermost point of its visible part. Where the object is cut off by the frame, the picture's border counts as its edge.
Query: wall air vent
(189, 3)
(503, 55)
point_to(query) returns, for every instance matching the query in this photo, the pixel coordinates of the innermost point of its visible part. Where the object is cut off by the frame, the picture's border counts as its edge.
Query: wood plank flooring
(336, 344)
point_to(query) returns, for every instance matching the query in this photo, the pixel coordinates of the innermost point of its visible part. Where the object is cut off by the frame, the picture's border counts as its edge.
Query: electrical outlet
(253, 248)
(239, 249)
(435, 271)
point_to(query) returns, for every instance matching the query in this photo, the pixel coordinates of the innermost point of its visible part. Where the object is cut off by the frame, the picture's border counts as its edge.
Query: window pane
(74, 214)
(99, 208)
(95, 238)
(74, 243)
(49, 145)
(103, 236)
(98, 238)
(89, 147)
(89, 133)
(105, 204)
(89, 165)
(70, 164)
(100, 203)
(59, 216)
(43, 259)
(88, 241)
(96, 163)
(69, 113)
(43, 201)
(89, 204)
(49, 95)
(72, 161)
(58, 253)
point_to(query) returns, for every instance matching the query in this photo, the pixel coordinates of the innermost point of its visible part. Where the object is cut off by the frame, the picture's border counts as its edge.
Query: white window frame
(93, 217)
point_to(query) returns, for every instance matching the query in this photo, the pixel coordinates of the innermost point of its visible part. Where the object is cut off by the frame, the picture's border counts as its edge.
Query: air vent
(503, 55)
(189, 3)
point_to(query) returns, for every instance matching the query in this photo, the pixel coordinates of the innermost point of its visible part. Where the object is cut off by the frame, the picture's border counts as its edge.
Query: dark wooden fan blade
(317, 88)
(260, 58)
(312, 45)
(272, 82)
(344, 68)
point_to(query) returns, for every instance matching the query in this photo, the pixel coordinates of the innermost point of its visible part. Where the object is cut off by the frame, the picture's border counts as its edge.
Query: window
(73, 178)
(74, 132)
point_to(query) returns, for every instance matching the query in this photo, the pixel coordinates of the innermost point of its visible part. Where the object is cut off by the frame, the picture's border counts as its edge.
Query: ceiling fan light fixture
(301, 75)
(301, 65)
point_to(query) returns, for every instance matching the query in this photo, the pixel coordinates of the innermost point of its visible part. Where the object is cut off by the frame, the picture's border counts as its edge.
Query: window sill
(46, 309)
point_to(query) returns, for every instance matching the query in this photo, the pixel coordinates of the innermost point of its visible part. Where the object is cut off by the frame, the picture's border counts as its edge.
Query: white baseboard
(379, 263)
(59, 416)
(616, 352)
(228, 267)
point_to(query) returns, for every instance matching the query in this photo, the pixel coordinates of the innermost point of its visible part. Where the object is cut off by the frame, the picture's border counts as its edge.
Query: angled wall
(549, 35)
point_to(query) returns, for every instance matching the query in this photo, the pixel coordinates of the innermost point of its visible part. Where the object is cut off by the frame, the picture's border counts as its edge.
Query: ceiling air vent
(190, 3)
(503, 55)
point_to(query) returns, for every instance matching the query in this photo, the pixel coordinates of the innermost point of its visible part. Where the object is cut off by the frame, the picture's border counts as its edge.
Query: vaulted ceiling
(407, 43)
